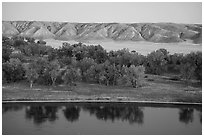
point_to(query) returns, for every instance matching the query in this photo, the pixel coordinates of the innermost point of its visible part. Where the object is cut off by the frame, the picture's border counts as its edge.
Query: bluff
(151, 32)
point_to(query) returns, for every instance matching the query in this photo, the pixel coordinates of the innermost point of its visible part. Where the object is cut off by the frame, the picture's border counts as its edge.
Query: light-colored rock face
(8, 29)
(130, 33)
(152, 32)
(68, 31)
(29, 32)
(43, 32)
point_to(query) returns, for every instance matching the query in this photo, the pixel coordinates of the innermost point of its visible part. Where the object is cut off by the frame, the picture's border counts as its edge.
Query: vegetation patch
(35, 71)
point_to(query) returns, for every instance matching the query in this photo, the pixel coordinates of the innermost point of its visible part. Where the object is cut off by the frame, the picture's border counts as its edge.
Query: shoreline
(99, 101)
(159, 91)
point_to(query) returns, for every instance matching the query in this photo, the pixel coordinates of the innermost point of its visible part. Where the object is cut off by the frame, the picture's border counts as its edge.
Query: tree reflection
(40, 114)
(6, 108)
(186, 115)
(132, 114)
(200, 115)
(199, 109)
(71, 113)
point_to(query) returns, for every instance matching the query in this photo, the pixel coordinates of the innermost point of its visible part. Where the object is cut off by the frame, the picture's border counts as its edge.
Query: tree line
(29, 59)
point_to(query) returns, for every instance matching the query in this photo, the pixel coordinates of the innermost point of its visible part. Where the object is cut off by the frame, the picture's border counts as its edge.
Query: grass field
(141, 47)
(157, 88)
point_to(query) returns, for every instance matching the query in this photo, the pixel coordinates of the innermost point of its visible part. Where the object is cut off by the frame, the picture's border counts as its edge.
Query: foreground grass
(156, 88)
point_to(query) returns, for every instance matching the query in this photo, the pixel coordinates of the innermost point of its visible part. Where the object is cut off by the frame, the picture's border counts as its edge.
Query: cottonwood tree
(191, 66)
(198, 62)
(174, 62)
(156, 62)
(110, 73)
(104, 73)
(100, 55)
(84, 65)
(13, 70)
(195, 60)
(31, 73)
(6, 52)
(54, 71)
(187, 71)
(140, 75)
(71, 75)
(93, 74)
(133, 75)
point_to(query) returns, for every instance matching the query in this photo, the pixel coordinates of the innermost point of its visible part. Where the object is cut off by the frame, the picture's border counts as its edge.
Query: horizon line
(103, 22)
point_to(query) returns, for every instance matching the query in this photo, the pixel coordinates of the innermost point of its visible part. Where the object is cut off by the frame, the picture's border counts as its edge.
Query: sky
(130, 12)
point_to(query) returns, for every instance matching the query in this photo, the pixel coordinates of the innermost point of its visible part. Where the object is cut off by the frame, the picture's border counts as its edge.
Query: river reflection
(11, 108)
(40, 114)
(186, 115)
(132, 114)
(115, 113)
(72, 113)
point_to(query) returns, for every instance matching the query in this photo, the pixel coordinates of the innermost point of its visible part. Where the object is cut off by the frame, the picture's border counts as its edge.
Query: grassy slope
(161, 89)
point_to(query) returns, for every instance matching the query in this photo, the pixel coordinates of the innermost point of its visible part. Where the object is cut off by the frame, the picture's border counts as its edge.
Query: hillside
(150, 32)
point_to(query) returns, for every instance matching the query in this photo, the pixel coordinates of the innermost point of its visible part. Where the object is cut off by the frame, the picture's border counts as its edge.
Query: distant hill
(151, 32)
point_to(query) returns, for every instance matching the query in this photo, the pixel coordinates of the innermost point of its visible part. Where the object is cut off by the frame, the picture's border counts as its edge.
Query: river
(100, 119)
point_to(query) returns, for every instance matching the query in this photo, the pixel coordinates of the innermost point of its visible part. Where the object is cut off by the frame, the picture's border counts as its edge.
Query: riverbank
(157, 89)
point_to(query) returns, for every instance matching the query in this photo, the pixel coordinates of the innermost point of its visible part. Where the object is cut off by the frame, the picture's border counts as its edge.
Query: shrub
(71, 75)
(13, 70)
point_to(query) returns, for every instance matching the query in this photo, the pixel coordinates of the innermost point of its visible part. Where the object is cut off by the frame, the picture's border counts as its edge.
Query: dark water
(100, 118)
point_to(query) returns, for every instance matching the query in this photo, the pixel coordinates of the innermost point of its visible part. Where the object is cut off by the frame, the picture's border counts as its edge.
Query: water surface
(100, 118)
(141, 47)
